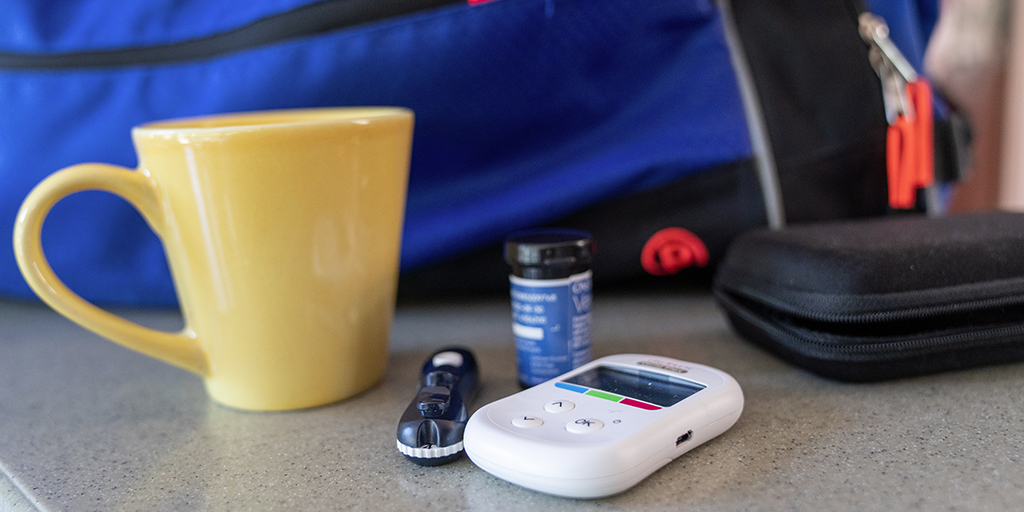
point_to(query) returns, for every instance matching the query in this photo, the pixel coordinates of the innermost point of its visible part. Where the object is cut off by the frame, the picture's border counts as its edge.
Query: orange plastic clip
(910, 161)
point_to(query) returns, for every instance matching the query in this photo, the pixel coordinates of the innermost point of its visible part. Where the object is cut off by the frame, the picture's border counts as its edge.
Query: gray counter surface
(88, 425)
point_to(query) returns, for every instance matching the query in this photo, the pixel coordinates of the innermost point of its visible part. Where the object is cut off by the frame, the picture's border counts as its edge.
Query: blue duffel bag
(528, 112)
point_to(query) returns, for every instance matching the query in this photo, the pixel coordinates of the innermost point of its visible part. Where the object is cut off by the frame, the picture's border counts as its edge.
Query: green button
(601, 394)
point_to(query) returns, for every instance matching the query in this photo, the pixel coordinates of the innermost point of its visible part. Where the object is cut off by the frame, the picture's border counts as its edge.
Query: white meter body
(602, 428)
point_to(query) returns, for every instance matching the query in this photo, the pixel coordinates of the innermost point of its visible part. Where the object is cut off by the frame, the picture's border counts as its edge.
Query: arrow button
(527, 422)
(559, 406)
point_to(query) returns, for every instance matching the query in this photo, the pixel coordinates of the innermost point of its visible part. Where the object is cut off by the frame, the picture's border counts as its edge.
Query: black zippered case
(884, 298)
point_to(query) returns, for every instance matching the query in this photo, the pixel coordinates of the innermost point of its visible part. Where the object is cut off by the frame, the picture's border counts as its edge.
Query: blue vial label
(551, 323)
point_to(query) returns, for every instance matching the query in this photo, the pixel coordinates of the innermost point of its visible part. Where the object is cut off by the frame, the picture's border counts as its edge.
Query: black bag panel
(816, 85)
(716, 205)
(844, 184)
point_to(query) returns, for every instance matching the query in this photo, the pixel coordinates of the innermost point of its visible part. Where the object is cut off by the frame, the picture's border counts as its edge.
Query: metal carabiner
(908, 110)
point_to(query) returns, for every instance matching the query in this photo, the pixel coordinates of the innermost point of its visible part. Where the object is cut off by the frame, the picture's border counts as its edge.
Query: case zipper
(311, 19)
(909, 313)
(800, 343)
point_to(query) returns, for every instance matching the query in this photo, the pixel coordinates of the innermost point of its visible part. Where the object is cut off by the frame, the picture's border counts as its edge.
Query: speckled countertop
(87, 425)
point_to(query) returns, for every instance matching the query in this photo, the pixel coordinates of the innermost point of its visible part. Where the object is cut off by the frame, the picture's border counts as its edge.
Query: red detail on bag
(910, 158)
(672, 249)
(478, 2)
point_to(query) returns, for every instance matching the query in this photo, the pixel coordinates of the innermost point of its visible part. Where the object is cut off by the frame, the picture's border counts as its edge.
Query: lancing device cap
(549, 253)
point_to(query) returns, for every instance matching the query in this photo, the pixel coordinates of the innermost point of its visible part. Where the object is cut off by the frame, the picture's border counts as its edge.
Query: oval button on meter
(584, 426)
(558, 406)
(527, 422)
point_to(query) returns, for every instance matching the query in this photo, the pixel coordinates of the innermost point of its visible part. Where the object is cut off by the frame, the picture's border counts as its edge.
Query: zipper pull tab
(910, 160)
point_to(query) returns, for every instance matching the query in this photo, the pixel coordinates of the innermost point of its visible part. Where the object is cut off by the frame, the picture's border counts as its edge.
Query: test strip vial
(551, 297)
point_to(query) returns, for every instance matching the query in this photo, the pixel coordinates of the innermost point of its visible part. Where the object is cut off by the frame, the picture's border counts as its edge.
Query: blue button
(571, 387)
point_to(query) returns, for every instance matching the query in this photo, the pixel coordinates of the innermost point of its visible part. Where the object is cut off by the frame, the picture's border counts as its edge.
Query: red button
(672, 249)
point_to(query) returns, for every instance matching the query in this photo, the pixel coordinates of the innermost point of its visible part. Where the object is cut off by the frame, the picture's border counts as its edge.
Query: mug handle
(181, 348)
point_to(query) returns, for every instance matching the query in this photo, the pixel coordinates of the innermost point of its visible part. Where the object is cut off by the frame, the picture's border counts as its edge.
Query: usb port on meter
(684, 438)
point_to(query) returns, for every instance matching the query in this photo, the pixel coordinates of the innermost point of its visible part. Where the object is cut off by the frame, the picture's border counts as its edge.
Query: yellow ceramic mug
(282, 231)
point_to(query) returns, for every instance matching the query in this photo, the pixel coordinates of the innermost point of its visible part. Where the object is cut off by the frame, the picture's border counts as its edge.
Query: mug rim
(220, 123)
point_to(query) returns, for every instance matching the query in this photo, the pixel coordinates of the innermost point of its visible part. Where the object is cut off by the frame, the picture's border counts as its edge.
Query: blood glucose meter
(602, 428)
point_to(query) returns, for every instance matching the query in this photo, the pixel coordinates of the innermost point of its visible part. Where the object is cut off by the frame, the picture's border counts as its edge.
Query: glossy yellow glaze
(282, 231)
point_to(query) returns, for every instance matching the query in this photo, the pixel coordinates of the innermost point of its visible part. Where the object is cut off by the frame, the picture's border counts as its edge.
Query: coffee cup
(282, 232)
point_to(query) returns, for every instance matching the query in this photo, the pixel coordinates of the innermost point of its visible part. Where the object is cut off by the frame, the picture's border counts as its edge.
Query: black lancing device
(431, 428)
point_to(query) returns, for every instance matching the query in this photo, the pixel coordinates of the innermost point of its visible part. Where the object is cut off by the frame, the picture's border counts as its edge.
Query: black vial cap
(549, 253)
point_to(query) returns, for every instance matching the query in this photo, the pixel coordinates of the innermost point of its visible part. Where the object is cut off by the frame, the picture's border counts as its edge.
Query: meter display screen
(638, 384)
